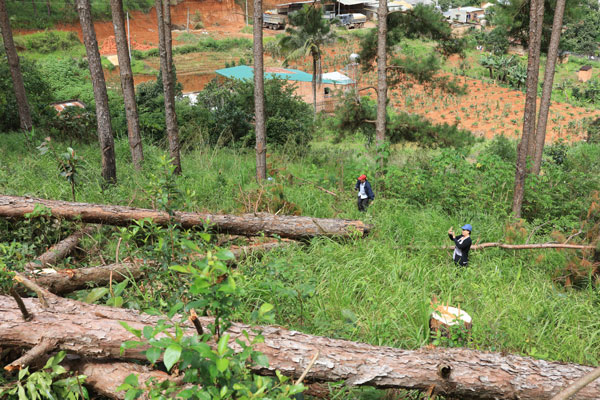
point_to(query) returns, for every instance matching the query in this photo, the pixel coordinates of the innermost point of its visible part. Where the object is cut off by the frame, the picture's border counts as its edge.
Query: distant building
(585, 73)
(465, 14)
(330, 82)
(61, 105)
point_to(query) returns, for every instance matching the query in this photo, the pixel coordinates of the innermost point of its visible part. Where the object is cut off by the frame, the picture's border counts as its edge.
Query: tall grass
(375, 289)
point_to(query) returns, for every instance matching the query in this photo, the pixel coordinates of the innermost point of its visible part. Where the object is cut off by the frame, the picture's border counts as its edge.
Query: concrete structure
(585, 73)
(331, 83)
(465, 14)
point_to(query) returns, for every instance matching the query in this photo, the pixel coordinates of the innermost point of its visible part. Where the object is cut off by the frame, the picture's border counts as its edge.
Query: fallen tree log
(68, 280)
(58, 251)
(292, 227)
(529, 246)
(94, 331)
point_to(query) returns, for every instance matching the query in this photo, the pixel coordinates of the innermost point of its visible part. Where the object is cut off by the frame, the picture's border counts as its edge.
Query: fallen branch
(286, 226)
(578, 385)
(58, 251)
(529, 246)
(94, 331)
(315, 185)
(69, 280)
(45, 346)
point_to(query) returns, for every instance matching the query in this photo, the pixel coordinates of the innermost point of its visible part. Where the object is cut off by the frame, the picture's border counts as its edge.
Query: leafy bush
(38, 95)
(352, 115)
(48, 41)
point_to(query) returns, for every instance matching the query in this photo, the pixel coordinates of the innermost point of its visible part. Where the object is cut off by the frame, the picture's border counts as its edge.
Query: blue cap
(467, 227)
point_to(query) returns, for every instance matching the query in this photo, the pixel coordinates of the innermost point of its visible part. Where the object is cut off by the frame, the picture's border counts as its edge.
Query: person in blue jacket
(462, 245)
(365, 193)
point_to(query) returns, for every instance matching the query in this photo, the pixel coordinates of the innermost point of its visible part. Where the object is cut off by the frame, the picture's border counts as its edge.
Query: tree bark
(105, 376)
(380, 126)
(315, 79)
(58, 251)
(536, 15)
(68, 280)
(94, 331)
(540, 132)
(131, 112)
(15, 70)
(168, 91)
(291, 227)
(259, 93)
(168, 34)
(105, 135)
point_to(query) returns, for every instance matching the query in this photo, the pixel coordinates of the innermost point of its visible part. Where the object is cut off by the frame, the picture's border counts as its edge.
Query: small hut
(585, 73)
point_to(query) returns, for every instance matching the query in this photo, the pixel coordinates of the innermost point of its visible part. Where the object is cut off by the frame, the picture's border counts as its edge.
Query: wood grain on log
(293, 227)
(94, 331)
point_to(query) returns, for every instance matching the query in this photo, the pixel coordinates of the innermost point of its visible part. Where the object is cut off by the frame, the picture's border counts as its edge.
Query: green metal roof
(288, 74)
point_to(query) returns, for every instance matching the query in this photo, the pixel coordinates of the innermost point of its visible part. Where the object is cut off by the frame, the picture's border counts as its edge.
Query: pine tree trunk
(131, 112)
(168, 90)
(96, 332)
(168, 34)
(536, 44)
(15, 70)
(314, 84)
(105, 136)
(540, 133)
(286, 226)
(259, 93)
(380, 126)
(533, 66)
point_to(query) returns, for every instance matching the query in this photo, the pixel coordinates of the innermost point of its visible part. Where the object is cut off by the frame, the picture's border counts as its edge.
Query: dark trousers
(363, 204)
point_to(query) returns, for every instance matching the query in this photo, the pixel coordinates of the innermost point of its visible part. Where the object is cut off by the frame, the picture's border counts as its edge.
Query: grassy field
(377, 289)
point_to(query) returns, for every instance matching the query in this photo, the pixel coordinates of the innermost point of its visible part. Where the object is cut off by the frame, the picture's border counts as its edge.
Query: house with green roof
(330, 83)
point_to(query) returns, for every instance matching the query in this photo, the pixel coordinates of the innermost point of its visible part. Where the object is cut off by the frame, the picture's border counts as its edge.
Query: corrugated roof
(288, 74)
(353, 2)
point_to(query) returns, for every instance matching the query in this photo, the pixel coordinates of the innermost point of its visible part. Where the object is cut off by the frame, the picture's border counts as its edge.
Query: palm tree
(308, 33)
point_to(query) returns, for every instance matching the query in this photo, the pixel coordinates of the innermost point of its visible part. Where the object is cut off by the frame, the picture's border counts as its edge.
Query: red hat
(363, 177)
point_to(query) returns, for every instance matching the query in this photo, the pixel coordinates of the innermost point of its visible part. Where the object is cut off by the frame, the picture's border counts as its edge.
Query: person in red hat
(365, 193)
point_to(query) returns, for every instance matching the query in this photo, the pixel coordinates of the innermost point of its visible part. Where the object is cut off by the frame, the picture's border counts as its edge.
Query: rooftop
(288, 74)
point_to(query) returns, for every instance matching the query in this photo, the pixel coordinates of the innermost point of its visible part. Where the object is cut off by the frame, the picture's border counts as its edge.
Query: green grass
(375, 290)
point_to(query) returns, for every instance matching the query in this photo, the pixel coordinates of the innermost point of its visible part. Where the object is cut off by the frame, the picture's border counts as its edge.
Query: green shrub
(48, 41)
(37, 90)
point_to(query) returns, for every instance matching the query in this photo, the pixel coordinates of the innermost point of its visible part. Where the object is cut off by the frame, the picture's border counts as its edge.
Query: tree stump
(447, 320)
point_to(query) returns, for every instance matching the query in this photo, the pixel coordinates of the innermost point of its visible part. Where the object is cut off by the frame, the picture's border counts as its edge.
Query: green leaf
(132, 380)
(136, 332)
(222, 364)
(265, 308)
(225, 255)
(172, 355)
(222, 345)
(153, 354)
(184, 269)
(120, 287)
(148, 332)
(95, 294)
(260, 359)
(23, 372)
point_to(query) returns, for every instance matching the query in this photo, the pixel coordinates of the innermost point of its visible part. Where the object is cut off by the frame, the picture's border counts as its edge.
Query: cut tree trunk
(58, 251)
(292, 227)
(95, 332)
(69, 280)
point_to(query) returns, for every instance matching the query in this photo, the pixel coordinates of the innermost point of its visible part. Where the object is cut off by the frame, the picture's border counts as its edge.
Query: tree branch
(45, 346)
(578, 385)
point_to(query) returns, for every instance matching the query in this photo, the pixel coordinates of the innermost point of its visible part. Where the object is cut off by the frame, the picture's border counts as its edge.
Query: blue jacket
(368, 189)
